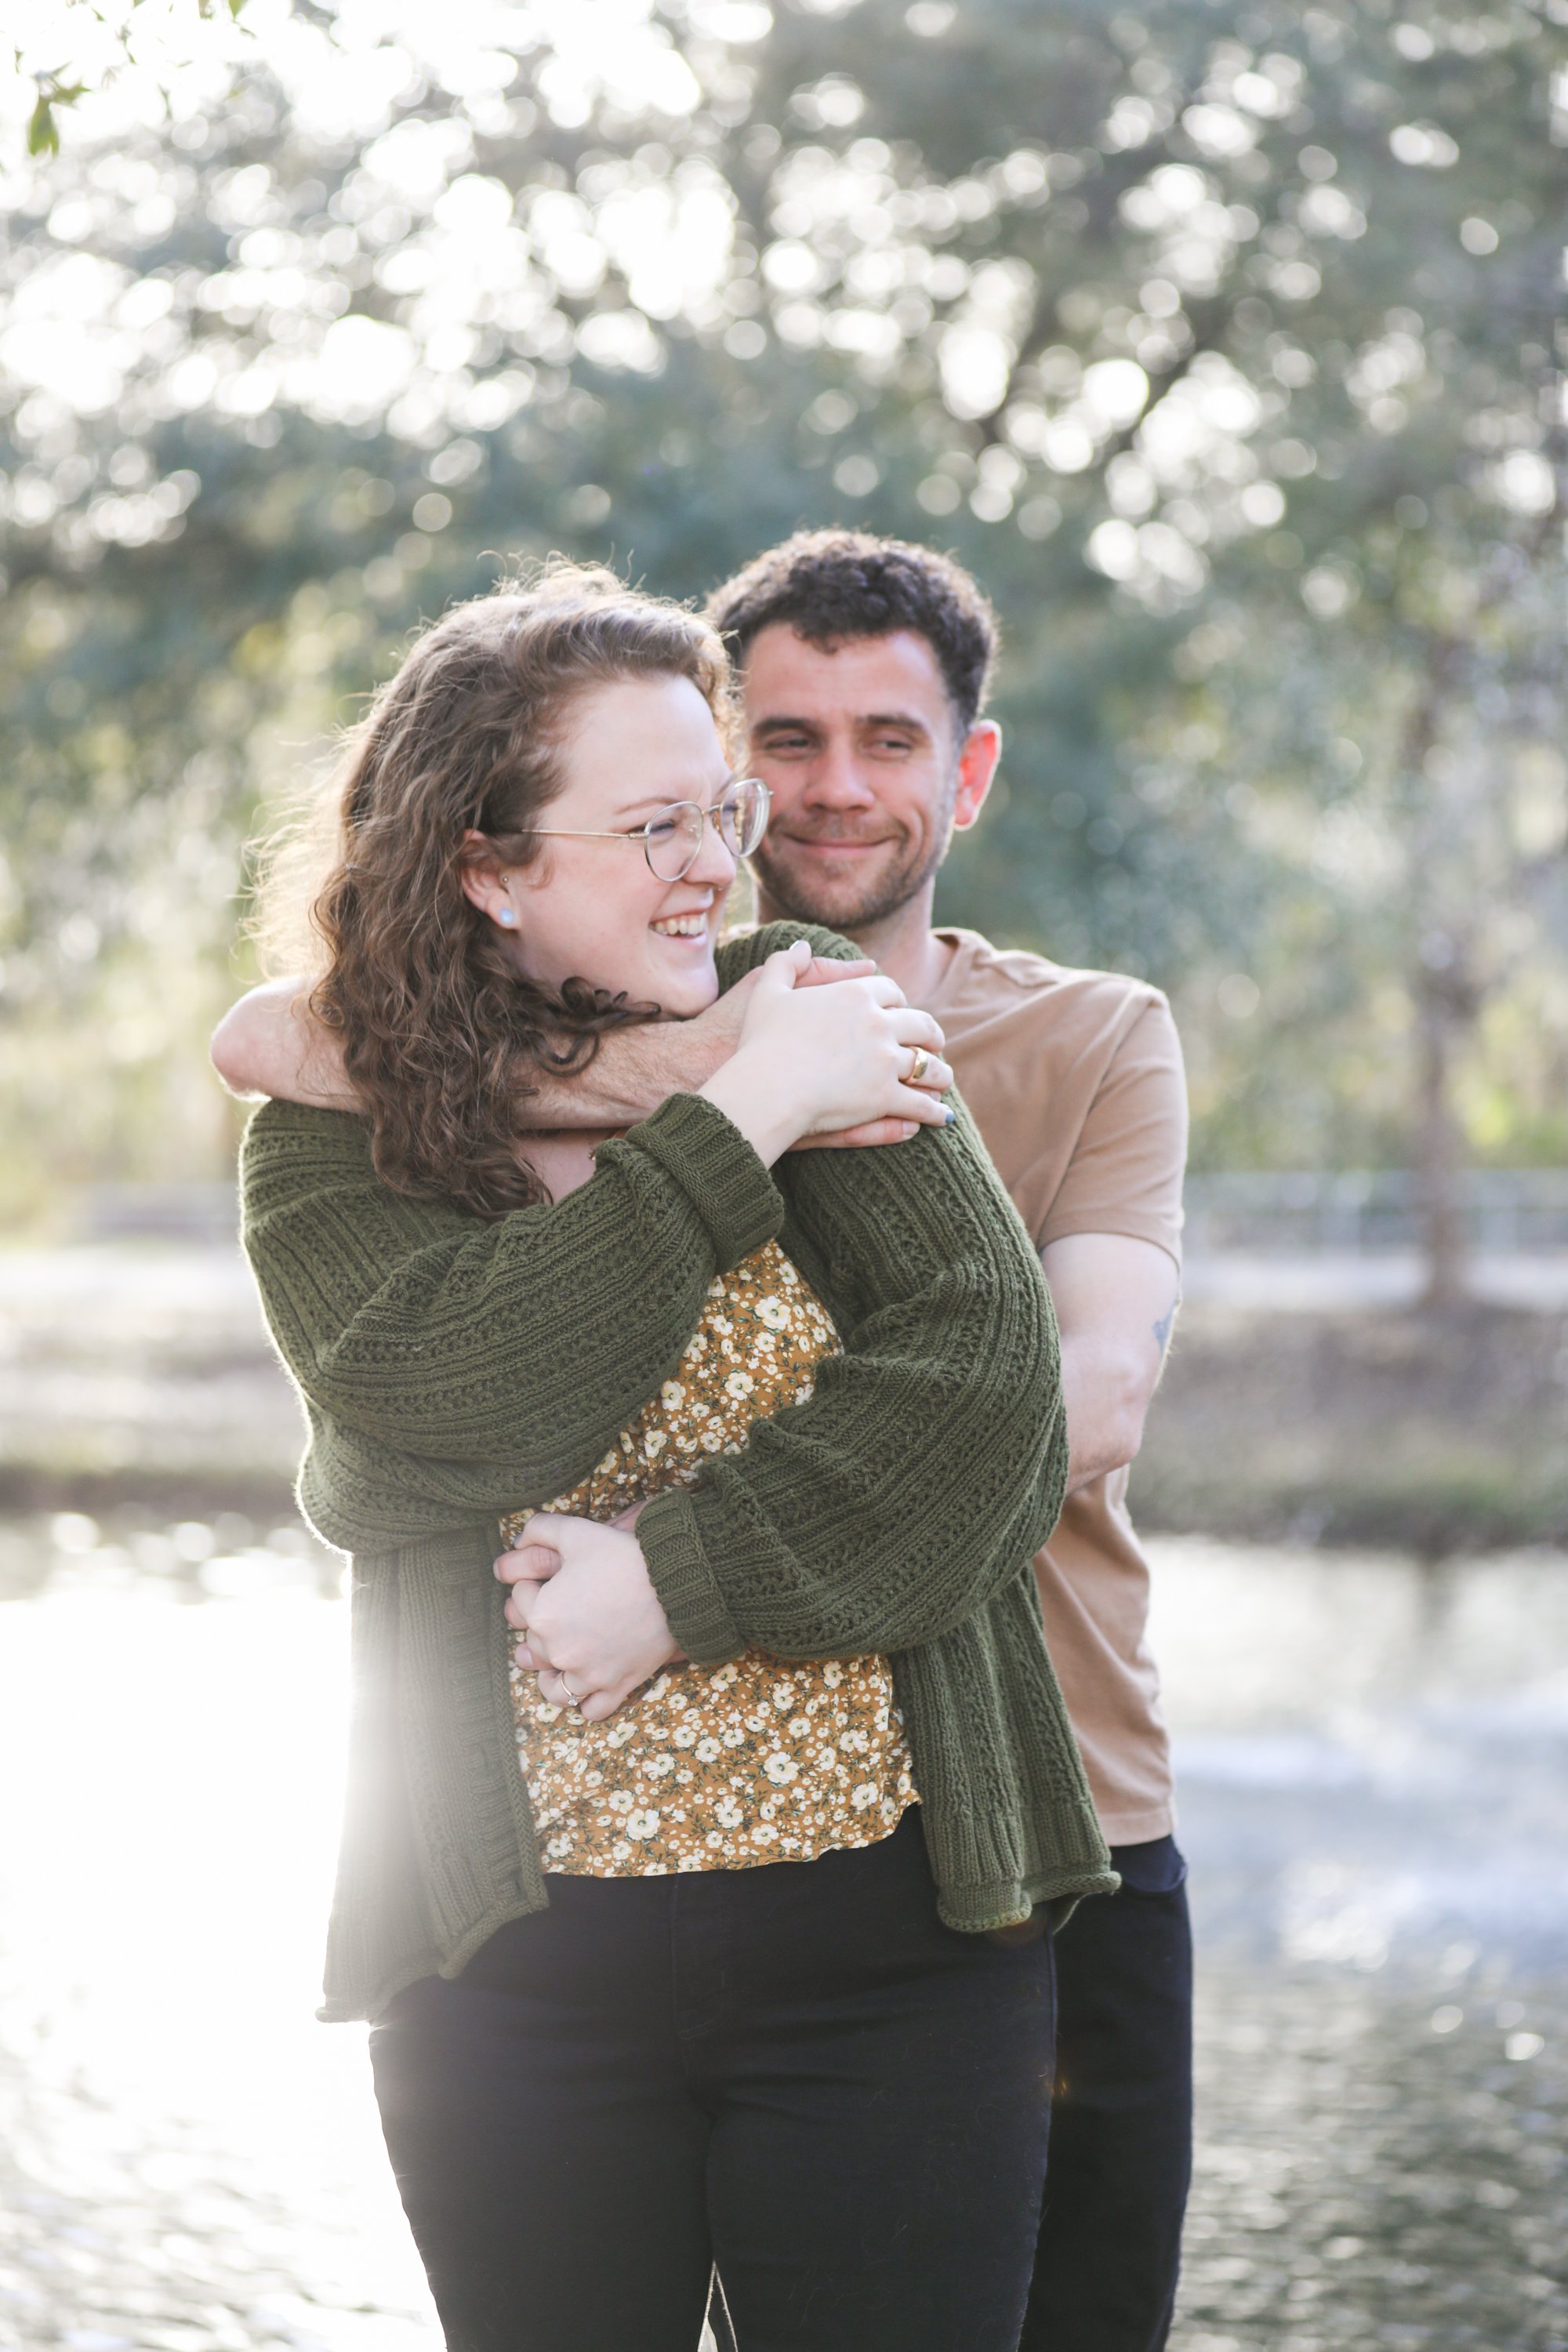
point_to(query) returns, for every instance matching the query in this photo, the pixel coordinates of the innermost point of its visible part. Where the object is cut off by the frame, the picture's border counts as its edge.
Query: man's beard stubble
(837, 905)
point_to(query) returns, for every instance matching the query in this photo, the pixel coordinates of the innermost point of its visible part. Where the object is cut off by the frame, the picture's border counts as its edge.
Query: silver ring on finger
(919, 1067)
(566, 1686)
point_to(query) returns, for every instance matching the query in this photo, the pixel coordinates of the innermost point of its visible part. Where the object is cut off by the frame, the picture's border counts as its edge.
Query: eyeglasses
(672, 838)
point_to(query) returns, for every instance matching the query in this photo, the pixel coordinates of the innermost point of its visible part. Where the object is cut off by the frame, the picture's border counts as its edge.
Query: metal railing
(1300, 1213)
(1506, 1210)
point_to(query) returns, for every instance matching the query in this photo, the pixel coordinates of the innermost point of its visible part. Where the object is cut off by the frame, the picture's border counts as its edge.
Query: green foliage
(1224, 349)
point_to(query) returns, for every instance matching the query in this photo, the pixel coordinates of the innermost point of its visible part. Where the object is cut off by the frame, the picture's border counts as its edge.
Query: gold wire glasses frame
(672, 838)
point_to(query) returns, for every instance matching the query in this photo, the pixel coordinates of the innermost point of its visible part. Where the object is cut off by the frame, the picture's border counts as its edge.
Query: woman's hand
(812, 1060)
(582, 1597)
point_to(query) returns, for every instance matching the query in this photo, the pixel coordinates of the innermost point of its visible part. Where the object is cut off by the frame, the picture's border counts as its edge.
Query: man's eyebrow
(905, 718)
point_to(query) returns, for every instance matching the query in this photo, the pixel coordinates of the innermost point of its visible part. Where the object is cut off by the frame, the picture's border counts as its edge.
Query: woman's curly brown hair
(440, 1034)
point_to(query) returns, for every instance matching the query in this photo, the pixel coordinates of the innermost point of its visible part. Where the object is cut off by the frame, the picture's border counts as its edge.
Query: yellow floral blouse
(716, 1767)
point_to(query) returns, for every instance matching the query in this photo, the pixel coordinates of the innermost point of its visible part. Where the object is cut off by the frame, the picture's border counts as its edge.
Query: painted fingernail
(949, 1114)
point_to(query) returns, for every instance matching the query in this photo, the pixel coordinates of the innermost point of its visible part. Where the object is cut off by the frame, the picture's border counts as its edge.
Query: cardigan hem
(976, 1910)
(352, 2009)
(970, 1910)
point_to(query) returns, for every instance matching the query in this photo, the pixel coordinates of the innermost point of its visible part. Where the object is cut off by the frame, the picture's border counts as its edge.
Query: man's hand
(817, 1060)
(825, 970)
(582, 1597)
(1116, 1300)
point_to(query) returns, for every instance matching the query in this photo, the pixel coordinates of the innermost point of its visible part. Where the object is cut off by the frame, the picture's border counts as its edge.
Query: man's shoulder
(987, 979)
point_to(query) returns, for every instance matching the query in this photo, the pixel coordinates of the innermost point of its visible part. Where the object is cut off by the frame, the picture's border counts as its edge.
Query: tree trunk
(1439, 1024)
(1442, 994)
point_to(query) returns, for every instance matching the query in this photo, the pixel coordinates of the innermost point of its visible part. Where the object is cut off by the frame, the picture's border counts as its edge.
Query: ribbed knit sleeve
(524, 1344)
(931, 1461)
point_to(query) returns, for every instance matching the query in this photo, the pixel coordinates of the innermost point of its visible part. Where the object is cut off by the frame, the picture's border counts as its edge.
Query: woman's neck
(562, 1158)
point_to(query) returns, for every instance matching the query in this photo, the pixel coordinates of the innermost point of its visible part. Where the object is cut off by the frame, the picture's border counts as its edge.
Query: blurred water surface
(1374, 1804)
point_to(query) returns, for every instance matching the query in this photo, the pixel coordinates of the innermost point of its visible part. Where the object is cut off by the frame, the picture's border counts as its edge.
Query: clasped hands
(593, 1627)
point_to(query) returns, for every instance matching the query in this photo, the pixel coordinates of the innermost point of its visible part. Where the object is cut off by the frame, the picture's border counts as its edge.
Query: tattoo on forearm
(1163, 1328)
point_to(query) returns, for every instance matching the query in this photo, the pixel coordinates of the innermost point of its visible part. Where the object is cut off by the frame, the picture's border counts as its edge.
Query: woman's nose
(715, 862)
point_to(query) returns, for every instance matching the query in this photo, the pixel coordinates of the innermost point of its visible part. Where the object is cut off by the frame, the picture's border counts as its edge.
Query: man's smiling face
(869, 770)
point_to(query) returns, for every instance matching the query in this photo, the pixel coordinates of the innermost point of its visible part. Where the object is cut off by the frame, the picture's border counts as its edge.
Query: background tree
(1222, 344)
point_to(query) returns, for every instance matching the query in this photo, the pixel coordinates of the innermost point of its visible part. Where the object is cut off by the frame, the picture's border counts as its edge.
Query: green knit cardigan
(453, 1369)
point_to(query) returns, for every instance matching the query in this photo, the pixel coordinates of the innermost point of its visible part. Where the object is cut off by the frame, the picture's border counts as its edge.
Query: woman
(676, 1928)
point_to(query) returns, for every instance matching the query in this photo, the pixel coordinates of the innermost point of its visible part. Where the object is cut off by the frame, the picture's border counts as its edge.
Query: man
(864, 664)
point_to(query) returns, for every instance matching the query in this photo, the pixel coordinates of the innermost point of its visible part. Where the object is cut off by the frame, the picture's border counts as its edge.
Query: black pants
(796, 2070)
(1122, 2129)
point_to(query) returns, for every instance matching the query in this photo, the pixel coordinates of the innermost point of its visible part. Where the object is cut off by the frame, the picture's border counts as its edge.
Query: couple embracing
(721, 1873)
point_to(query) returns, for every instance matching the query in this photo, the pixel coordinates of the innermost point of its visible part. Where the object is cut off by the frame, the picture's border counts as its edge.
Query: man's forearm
(633, 1071)
(269, 1044)
(1104, 1412)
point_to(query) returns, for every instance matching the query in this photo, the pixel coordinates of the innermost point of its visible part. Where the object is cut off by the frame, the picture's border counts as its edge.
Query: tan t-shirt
(1075, 1080)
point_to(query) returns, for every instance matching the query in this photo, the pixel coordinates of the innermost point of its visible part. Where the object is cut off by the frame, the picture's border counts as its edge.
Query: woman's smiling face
(591, 910)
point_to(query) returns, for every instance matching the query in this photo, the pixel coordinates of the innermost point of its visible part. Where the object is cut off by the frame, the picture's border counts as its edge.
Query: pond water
(1374, 1804)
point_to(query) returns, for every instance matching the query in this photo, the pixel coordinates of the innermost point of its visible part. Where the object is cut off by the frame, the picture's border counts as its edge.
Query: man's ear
(977, 769)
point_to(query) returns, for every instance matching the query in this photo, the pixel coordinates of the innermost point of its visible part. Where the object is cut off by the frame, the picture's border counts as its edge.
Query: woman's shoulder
(292, 1131)
(743, 950)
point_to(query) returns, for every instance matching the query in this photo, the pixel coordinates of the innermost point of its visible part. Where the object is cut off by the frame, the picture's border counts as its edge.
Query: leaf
(43, 131)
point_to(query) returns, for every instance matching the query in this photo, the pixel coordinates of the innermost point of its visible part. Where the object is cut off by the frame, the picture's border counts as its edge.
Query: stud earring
(508, 916)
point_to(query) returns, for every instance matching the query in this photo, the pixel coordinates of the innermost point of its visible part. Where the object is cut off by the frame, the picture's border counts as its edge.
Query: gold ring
(919, 1067)
(568, 1689)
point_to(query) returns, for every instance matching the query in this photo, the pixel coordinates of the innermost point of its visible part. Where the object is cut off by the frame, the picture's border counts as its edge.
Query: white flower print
(744, 1753)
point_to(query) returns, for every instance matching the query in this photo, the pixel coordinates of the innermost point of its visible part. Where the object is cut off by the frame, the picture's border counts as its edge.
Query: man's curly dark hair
(831, 586)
